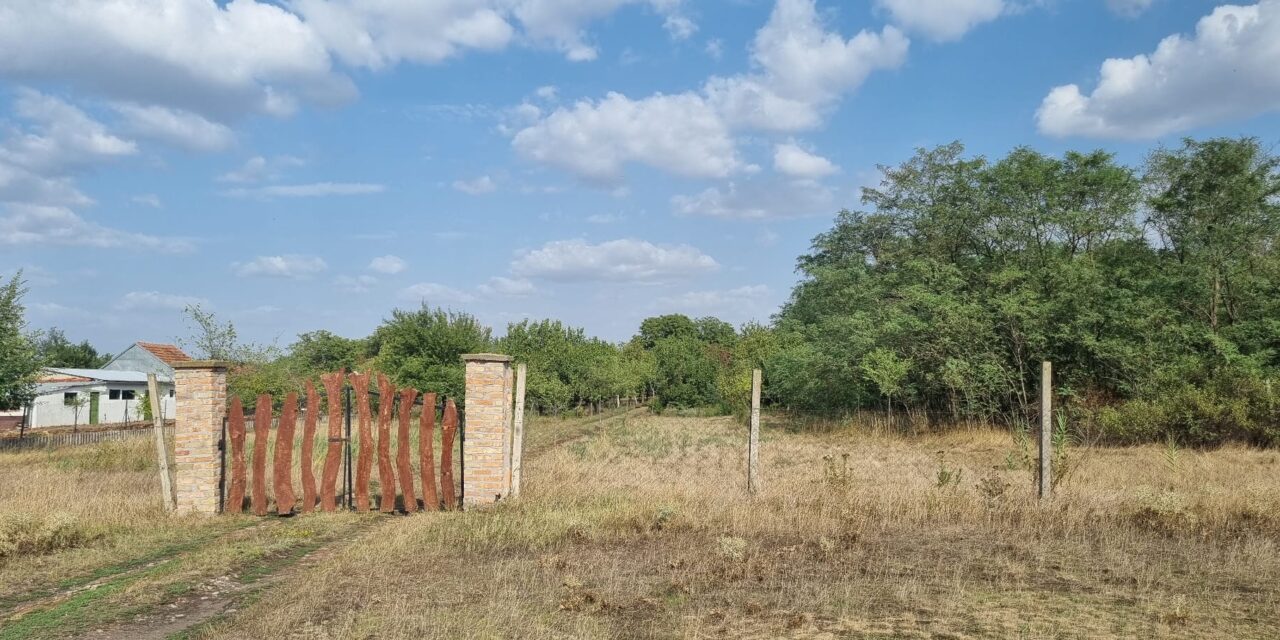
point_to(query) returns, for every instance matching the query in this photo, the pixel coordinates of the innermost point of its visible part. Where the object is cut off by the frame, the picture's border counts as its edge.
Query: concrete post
(486, 455)
(200, 388)
(1046, 429)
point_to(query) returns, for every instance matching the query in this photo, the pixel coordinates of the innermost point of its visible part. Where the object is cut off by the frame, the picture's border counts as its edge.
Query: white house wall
(49, 410)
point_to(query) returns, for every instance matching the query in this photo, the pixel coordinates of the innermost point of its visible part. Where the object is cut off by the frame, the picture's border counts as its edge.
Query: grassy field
(639, 526)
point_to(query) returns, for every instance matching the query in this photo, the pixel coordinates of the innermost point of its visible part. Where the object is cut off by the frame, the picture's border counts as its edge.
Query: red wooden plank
(426, 453)
(333, 457)
(309, 450)
(282, 461)
(261, 433)
(386, 476)
(403, 466)
(450, 428)
(364, 462)
(235, 428)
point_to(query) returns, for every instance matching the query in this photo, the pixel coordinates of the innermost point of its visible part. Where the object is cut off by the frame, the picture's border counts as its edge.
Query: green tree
(55, 350)
(674, 325)
(423, 348)
(19, 361)
(888, 372)
(318, 352)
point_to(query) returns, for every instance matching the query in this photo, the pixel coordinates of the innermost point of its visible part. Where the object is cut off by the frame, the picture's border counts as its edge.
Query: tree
(888, 372)
(319, 352)
(209, 338)
(19, 362)
(257, 369)
(963, 273)
(423, 348)
(55, 350)
(674, 325)
(686, 372)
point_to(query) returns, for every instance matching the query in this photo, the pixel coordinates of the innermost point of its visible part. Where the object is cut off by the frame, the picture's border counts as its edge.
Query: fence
(329, 437)
(640, 455)
(37, 440)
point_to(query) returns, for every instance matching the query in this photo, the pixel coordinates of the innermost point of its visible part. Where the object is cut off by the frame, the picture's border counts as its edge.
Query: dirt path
(212, 598)
(166, 596)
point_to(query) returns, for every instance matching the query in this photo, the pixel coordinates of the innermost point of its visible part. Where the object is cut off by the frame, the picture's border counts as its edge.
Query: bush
(26, 534)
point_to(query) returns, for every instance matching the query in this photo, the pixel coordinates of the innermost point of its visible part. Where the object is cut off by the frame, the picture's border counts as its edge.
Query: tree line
(1155, 290)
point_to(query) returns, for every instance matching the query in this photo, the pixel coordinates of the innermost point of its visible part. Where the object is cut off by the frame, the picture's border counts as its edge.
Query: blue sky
(312, 164)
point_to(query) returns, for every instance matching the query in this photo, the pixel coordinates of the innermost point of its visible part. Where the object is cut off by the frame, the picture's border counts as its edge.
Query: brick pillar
(200, 388)
(486, 456)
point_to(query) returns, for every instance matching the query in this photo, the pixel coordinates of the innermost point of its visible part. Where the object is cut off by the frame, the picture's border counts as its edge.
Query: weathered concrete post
(486, 455)
(1046, 429)
(200, 388)
(753, 437)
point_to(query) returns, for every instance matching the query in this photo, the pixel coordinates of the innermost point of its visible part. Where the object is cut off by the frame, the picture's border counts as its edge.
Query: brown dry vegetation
(639, 526)
(642, 529)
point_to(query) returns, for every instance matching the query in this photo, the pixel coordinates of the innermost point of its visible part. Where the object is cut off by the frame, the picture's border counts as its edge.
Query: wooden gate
(344, 393)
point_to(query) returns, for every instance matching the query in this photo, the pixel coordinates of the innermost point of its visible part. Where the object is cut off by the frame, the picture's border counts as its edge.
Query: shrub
(26, 534)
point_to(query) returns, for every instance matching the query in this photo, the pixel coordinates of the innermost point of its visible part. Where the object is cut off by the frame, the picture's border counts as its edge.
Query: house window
(121, 394)
(171, 393)
(113, 394)
(127, 394)
(70, 398)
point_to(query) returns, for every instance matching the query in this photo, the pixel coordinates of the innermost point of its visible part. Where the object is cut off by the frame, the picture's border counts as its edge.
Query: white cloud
(63, 138)
(380, 34)
(802, 61)
(477, 186)
(803, 70)
(595, 139)
(547, 92)
(258, 169)
(21, 186)
(154, 300)
(715, 48)
(312, 190)
(615, 260)
(28, 225)
(561, 22)
(791, 159)
(499, 285)
(679, 27)
(176, 127)
(1226, 71)
(388, 264)
(946, 20)
(757, 200)
(149, 199)
(286, 266)
(435, 293)
(1129, 8)
(219, 60)
(355, 284)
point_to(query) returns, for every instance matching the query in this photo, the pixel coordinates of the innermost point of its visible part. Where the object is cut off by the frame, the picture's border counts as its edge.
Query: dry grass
(640, 527)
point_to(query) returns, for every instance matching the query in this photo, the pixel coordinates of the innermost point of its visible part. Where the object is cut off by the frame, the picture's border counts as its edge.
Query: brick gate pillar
(200, 388)
(486, 455)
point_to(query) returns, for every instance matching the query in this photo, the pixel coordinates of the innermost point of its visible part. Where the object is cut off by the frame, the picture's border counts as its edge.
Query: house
(112, 394)
(148, 357)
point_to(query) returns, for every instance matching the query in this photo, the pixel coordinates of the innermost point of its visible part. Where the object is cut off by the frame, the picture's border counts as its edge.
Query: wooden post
(753, 442)
(1046, 428)
(517, 434)
(157, 424)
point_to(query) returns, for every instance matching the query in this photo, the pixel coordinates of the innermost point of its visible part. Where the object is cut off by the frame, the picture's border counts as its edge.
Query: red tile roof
(168, 353)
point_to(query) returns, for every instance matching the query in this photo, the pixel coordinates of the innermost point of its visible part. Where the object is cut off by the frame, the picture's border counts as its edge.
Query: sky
(314, 164)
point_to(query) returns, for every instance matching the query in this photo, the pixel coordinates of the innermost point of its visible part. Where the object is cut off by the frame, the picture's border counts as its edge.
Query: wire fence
(640, 453)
